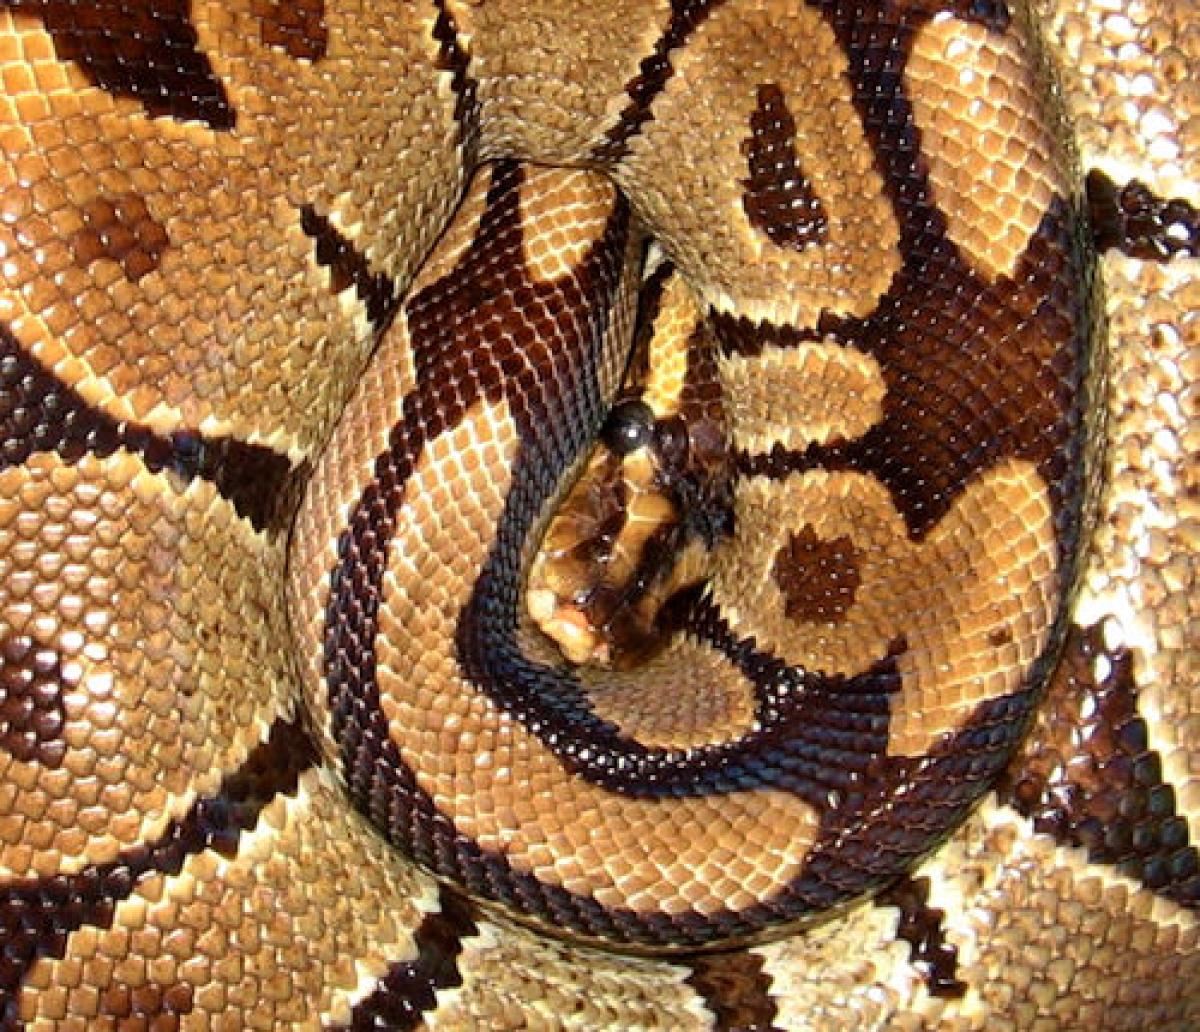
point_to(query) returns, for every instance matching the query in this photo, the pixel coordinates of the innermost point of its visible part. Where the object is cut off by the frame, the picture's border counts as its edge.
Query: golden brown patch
(714, 702)
(552, 82)
(667, 360)
(164, 1006)
(562, 217)
(810, 393)
(993, 162)
(986, 568)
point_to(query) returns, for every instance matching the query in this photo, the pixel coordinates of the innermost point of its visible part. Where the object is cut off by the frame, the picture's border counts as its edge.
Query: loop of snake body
(309, 315)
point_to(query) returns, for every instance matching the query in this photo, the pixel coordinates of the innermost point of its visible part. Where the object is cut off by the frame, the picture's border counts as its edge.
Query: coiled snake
(284, 420)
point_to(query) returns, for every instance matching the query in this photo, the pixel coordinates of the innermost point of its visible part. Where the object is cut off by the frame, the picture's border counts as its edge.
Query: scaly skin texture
(281, 421)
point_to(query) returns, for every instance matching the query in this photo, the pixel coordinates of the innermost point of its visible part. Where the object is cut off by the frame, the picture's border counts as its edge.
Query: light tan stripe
(678, 318)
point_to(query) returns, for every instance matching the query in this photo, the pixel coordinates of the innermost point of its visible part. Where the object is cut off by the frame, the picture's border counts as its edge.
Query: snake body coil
(311, 314)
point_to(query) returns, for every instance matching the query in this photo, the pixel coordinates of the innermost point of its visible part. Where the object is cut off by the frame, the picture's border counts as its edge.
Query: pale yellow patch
(564, 213)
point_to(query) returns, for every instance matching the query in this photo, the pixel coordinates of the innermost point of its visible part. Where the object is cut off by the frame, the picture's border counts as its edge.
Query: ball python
(310, 311)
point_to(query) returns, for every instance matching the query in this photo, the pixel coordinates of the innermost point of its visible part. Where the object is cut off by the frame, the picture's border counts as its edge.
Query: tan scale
(813, 392)
(667, 359)
(109, 569)
(718, 708)
(700, 219)
(994, 176)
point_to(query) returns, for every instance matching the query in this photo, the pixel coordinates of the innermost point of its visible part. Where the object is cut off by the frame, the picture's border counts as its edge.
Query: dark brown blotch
(779, 199)
(123, 230)
(32, 715)
(1140, 223)
(409, 989)
(1087, 775)
(146, 50)
(736, 990)
(295, 26)
(149, 1006)
(921, 927)
(819, 578)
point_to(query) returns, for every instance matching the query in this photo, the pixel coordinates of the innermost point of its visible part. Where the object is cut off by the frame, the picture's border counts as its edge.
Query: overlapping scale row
(209, 215)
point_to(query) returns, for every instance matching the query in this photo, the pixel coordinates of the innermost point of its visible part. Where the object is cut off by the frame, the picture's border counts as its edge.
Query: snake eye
(630, 426)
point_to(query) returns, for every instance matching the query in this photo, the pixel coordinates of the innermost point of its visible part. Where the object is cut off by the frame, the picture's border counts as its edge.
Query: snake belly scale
(310, 314)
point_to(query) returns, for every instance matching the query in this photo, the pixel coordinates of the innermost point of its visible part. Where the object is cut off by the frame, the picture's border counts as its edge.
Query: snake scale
(309, 311)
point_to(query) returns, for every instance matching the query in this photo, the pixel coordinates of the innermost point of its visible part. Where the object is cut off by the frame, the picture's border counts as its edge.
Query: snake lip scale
(362, 667)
